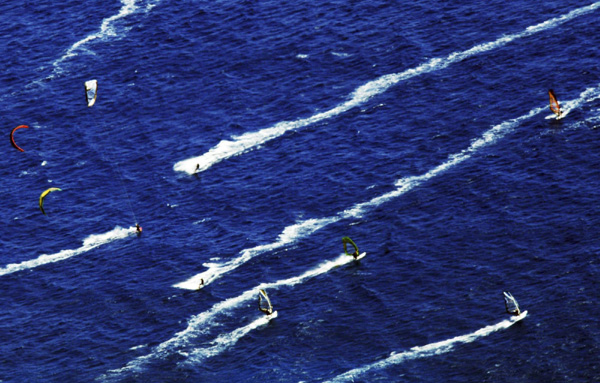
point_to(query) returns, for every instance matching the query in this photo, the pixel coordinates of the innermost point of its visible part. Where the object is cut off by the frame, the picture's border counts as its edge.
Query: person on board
(267, 311)
(138, 228)
(197, 168)
(201, 283)
(346, 240)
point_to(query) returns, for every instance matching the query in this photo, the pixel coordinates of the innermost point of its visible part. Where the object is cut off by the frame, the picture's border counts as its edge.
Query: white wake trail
(427, 350)
(204, 321)
(225, 341)
(91, 242)
(107, 30)
(289, 235)
(240, 144)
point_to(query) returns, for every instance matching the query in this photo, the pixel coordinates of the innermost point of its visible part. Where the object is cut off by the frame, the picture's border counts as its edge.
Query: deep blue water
(416, 128)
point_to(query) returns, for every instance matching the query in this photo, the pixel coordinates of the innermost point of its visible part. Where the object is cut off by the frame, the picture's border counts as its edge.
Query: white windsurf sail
(512, 307)
(91, 90)
(264, 303)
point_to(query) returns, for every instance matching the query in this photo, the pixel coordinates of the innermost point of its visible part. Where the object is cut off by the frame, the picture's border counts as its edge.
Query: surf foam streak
(427, 350)
(91, 242)
(225, 341)
(289, 235)
(107, 29)
(240, 144)
(203, 322)
(303, 229)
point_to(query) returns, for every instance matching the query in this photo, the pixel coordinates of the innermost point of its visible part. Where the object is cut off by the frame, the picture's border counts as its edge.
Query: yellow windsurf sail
(554, 103)
(91, 89)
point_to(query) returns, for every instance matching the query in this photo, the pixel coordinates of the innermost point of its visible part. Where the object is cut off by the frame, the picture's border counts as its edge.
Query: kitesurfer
(138, 228)
(197, 168)
(201, 283)
(346, 240)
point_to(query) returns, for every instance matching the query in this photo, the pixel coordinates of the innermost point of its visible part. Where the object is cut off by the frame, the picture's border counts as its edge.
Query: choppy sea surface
(247, 138)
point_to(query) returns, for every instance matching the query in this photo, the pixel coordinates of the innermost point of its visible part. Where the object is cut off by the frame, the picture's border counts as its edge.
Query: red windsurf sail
(554, 103)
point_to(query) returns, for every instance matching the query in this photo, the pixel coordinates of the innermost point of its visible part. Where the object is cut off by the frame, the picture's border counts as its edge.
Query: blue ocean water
(419, 129)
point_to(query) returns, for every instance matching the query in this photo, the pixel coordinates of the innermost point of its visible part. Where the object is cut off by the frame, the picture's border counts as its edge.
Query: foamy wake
(225, 341)
(203, 322)
(89, 243)
(303, 229)
(240, 144)
(108, 29)
(427, 350)
(289, 235)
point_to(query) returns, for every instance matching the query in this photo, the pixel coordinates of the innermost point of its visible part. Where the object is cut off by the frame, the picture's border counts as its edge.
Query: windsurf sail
(264, 303)
(43, 196)
(512, 307)
(345, 241)
(91, 89)
(12, 138)
(554, 106)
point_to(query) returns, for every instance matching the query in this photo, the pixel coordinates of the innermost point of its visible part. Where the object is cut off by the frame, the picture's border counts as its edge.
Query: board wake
(428, 350)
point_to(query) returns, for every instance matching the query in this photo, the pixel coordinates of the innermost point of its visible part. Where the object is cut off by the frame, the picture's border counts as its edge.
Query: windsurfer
(265, 307)
(554, 105)
(346, 240)
(512, 307)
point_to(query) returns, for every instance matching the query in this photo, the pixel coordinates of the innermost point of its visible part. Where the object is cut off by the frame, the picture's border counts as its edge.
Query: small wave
(89, 243)
(340, 54)
(425, 351)
(245, 142)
